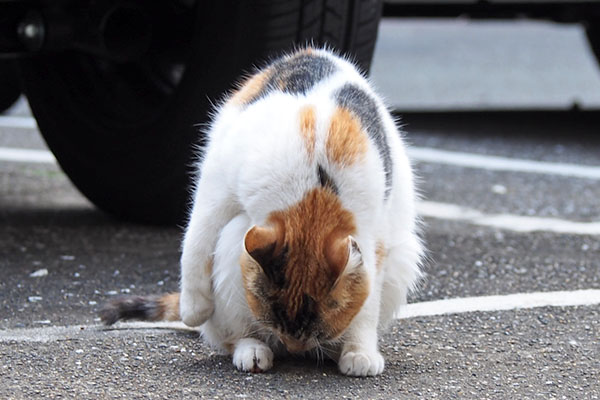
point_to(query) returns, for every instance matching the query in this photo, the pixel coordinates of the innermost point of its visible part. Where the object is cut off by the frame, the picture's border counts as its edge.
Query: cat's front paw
(194, 308)
(361, 363)
(252, 355)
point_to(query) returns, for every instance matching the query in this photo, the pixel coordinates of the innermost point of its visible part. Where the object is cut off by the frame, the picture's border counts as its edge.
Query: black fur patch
(326, 181)
(364, 107)
(303, 320)
(297, 75)
(131, 307)
(272, 264)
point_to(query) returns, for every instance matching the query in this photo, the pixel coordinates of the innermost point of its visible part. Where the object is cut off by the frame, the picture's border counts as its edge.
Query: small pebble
(499, 189)
(39, 273)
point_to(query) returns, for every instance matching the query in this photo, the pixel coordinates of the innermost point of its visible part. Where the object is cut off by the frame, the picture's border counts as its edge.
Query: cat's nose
(295, 346)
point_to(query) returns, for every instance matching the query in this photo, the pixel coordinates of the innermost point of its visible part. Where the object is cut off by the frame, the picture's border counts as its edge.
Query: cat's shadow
(308, 367)
(297, 370)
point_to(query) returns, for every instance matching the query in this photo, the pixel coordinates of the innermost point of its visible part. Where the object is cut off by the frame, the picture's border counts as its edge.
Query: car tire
(9, 82)
(593, 34)
(125, 136)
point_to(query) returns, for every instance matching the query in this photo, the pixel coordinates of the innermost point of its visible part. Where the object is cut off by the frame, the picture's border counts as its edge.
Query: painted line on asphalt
(424, 309)
(496, 163)
(501, 303)
(17, 122)
(437, 156)
(53, 333)
(515, 223)
(26, 155)
(444, 211)
(429, 209)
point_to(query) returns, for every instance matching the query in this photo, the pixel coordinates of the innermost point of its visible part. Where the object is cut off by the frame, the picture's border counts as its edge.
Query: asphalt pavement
(61, 259)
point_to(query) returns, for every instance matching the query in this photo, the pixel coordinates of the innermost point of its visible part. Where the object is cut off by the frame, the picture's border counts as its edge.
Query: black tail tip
(127, 308)
(111, 311)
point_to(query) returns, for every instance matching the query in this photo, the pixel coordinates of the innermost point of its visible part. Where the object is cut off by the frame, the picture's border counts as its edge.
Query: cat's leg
(213, 209)
(360, 354)
(252, 355)
(402, 273)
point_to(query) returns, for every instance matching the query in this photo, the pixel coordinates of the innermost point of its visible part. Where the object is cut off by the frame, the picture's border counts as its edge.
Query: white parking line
(26, 155)
(501, 303)
(428, 155)
(431, 209)
(516, 223)
(496, 163)
(54, 333)
(17, 122)
(429, 308)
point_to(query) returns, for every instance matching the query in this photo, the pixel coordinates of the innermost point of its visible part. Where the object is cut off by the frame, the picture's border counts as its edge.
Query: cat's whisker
(330, 349)
(320, 353)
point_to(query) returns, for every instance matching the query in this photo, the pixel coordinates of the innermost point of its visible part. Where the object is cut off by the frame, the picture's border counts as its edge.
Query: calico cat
(303, 234)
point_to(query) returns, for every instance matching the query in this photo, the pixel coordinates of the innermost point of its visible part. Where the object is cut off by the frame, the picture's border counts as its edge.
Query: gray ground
(526, 354)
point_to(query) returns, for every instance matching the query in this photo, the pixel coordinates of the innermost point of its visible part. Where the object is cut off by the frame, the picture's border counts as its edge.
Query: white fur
(256, 162)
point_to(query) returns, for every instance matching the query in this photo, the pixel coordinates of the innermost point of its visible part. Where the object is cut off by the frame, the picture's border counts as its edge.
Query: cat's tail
(142, 308)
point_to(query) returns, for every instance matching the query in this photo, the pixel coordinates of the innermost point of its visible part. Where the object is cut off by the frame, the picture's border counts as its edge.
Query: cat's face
(303, 273)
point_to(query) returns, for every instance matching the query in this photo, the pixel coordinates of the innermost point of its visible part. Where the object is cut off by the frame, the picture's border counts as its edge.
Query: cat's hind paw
(359, 363)
(252, 355)
(195, 309)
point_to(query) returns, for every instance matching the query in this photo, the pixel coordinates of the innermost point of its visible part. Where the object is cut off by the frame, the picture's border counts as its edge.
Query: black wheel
(9, 84)
(124, 132)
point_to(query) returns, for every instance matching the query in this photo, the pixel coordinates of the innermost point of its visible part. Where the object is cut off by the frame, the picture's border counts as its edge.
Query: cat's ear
(343, 255)
(265, 245)
(258, 239)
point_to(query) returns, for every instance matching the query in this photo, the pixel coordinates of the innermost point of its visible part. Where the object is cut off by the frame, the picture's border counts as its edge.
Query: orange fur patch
(349, 295)
(250, 89)
(249, 273)
(169, 307)
(312, 231)
(229, 347)
(308, 127)
(346, 141)
(309, 226)
(208, 268)
(380, 254)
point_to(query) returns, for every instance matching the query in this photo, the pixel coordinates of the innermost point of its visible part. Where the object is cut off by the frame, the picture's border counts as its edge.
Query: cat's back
(297, 74)
(310, 86)
(308, 119)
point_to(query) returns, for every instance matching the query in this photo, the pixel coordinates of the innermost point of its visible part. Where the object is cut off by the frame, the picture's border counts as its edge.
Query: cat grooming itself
(303, 235)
